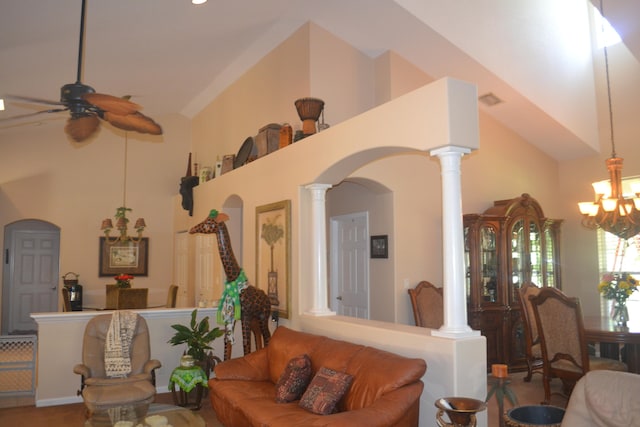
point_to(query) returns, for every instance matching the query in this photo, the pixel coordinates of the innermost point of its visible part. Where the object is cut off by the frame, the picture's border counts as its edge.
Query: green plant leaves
(197, 337)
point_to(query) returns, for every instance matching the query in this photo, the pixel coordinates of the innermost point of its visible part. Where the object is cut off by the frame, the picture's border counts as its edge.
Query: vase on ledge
(619, 314)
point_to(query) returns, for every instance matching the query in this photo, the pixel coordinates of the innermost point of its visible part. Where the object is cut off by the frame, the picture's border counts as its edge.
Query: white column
(320, 302)
(455, 297)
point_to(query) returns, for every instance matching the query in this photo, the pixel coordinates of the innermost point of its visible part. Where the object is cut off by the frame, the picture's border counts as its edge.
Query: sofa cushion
(370, 382)
(294, 380)
(325, 390)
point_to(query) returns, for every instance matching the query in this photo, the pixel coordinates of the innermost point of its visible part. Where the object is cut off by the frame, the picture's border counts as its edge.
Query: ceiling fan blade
(82, 127)
(112, 104)
(22, 116)
(136, 122)
(32, 100)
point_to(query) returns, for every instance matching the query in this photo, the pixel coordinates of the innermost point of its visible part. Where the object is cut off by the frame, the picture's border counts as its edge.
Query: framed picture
(379, 247)
(124, 258)
(273, 254)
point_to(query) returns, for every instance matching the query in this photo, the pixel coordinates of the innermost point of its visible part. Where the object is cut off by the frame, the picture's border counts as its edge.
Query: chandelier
(613, 210)
(122, 222)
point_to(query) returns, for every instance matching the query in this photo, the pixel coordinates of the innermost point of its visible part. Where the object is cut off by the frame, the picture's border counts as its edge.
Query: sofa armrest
(252, 367)
(398, 408)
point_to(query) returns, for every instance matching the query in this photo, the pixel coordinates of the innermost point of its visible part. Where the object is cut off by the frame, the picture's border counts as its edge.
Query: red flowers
(123, 280)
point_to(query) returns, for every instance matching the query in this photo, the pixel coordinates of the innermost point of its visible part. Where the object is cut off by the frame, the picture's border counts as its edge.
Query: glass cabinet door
(467, 263)
(535, 255)
(518, 261)
(489, 264)
(550, 257)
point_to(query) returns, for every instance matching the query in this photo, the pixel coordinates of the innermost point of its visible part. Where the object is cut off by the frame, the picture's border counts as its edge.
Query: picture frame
(124, 258)
(379, 246)
(273, 254)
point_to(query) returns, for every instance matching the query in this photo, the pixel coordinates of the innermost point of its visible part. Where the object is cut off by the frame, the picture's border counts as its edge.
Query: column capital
(317, 186)
(449, 149)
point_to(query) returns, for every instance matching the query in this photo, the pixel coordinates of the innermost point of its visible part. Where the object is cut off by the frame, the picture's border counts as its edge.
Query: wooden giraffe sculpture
(240, 299)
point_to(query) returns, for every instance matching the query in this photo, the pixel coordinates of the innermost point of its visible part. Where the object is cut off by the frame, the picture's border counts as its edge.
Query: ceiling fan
(87, 107)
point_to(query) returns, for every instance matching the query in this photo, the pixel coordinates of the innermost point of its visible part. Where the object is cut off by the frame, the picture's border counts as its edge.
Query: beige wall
(504, 167)
(76, 187)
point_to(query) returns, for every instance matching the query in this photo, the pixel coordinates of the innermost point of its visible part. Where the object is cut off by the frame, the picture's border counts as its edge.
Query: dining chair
(532, 339)
(66, 299)
(565, 353)
(172, 297)
(428, 305)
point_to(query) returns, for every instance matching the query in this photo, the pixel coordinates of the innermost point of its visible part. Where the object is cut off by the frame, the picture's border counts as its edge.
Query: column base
(455, 332)
(320, 312)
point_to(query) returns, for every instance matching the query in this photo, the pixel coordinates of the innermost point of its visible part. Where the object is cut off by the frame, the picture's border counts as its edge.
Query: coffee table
(137, 414)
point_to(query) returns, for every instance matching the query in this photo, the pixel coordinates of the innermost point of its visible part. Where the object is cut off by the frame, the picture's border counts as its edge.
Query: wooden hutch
(510, 244)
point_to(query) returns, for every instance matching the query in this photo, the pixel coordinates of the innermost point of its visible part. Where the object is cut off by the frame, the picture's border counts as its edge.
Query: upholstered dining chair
(428, 305)
(564, 348)
(532, 339)
(101, 391)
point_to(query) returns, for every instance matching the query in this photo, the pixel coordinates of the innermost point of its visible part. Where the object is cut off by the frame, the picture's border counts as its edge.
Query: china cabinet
(510, 244)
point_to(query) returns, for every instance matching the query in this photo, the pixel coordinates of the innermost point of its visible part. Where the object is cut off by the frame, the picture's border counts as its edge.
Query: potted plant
(197, 337)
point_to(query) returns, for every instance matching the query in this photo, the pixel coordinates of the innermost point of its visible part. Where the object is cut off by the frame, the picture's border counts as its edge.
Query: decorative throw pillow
(325, 391)
(294, 380)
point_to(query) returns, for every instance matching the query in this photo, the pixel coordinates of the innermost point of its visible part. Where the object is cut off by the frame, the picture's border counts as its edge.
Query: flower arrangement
(617, 286)
(123, 280)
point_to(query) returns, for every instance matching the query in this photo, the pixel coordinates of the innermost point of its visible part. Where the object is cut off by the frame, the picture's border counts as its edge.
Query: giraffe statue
(240, 300)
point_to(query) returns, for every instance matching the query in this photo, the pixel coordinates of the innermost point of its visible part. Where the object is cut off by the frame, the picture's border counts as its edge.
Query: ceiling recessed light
(198, 1)
(489, 99)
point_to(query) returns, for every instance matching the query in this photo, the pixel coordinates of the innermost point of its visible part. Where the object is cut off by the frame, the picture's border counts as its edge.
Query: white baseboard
(67, 400)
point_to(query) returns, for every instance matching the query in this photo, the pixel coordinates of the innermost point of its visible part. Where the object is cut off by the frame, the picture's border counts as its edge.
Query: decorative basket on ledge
(309, 110)
(126, 298)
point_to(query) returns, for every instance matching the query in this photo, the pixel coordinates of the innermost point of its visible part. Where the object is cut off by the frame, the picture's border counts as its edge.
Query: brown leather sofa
(385, 391)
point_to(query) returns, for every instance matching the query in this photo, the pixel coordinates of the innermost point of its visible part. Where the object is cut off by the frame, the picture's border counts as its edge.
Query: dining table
(620, 343)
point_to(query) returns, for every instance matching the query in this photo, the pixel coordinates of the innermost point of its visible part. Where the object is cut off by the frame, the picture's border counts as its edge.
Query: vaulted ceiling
(174, 57)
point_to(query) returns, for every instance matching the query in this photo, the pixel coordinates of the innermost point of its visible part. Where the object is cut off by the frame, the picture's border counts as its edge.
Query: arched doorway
(31, 273)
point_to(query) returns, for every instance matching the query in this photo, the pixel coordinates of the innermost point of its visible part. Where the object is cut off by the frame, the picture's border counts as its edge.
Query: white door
(349, 290)
(31, 274)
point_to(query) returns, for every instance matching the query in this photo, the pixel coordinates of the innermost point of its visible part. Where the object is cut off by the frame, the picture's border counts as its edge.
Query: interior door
(31, 273)
(349, 294)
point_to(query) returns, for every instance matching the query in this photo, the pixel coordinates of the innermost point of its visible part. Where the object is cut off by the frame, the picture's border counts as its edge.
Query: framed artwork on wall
(124, 258)
(379, 246)
(273, 254)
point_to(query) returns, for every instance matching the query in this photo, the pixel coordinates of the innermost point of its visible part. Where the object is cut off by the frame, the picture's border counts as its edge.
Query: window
(615, 254)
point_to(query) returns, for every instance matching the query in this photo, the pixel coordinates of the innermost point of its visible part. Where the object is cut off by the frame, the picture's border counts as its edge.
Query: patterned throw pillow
(325, 391)
(294, 380)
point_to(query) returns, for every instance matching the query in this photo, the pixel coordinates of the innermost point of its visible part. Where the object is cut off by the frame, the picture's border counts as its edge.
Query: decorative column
(455, 297)
(320, 301)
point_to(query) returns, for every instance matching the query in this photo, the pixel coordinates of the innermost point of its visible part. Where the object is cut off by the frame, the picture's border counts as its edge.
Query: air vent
(489, 99)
